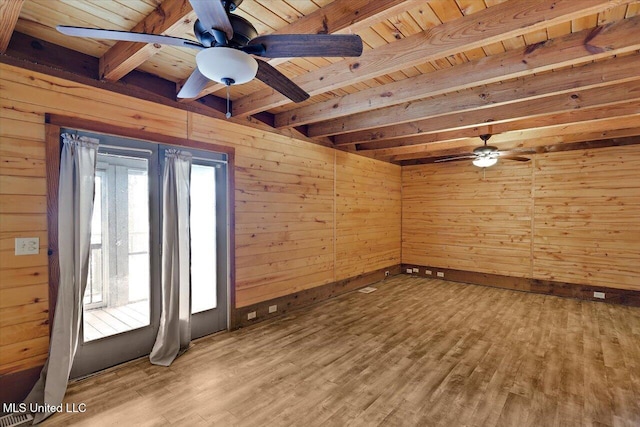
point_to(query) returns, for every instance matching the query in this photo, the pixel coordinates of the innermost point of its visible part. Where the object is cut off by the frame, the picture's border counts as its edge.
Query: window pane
(203, 238)
(117, 296)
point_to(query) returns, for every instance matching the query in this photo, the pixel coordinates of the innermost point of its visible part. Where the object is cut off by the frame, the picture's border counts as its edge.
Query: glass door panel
(208, 247)
(203, 238)
(117, 295)
(121, 309)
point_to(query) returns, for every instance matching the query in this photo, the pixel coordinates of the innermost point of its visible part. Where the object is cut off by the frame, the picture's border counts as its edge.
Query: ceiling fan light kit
(487, 155)
(225, 64)
(485, 162)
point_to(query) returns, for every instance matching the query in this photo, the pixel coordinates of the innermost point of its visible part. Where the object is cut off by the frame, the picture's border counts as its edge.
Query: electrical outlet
(599, 295)
(416, 270)
(273, 308)
(440, 274)
(386, 273)
(429, 272)
(27, 246)
(409, 270)
(251, 315)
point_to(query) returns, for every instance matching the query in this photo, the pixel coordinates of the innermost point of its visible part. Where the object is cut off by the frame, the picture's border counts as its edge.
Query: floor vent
(13, 420)
(368, 290)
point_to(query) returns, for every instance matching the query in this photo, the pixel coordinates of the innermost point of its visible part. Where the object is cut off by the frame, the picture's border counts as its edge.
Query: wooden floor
(415, 352)
(106, 321)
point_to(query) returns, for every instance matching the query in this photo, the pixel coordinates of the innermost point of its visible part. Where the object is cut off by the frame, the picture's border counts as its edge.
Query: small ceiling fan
(487, 155)
(228, 46)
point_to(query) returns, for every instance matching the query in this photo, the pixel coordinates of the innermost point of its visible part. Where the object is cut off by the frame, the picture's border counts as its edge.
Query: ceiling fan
(487, 155)
(228, 46)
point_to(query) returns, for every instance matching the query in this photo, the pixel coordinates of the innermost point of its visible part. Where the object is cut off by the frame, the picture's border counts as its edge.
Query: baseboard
(547, 287)
(14, 387)
(306, 297)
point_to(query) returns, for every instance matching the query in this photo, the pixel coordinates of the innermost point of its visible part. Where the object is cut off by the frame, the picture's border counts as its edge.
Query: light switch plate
(27, 245)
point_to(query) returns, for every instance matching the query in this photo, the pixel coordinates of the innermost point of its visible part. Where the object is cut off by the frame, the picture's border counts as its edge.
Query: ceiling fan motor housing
(243, 32)
(485, 150)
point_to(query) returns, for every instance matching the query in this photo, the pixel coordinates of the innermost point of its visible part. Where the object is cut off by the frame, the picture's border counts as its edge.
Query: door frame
(53, 125)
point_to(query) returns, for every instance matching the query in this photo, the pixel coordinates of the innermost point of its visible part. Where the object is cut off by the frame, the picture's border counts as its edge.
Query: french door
(122, 300)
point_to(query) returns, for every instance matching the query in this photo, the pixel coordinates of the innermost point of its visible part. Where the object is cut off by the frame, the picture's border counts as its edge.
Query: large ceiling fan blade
(212, 15)
(194, 85)
(307, 45)
(450, 159)
(278, 81)
(516, 158)
(127, 36)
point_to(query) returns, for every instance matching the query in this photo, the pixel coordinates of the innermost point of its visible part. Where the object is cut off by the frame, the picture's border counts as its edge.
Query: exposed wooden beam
(529, 138)
(613, 39)
(493, 24)
(554, 148)
(588, 98)
(9, 12)
(592, 75)
(409, 145)
(172, 17)
(338, 17)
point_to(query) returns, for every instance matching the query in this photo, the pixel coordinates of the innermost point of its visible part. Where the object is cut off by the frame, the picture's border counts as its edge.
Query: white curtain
(174, 334)
(75, 207)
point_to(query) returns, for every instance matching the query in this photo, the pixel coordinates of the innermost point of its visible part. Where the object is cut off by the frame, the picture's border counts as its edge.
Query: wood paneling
(454, 217)
(571, 217)
(367, 213)
(587, 217)
(24, 330)
(287, 228)
(284, 200)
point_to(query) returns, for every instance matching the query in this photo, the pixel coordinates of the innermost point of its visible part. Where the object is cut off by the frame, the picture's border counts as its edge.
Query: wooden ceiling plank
(590, 75)
(338, 17)
(169, 18)
(590, 98)
(623, 36)
(9, 13)
(408, 145)
(493, 24)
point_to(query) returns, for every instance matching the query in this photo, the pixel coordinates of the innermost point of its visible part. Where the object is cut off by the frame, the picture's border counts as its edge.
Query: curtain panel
(75, 208)
(174, 334)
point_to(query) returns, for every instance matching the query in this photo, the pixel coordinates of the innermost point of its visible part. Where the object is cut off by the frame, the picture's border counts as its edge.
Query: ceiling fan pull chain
(228, 115)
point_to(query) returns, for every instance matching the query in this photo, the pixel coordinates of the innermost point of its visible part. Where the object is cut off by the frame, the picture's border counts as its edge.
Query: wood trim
(107, 128)
(55, 122)
(231, 216)
(307, 297)
(548, 287)
(52, 161)
(16, 386)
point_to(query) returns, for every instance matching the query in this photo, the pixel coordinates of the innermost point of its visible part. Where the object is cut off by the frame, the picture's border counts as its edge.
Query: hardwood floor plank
(417, 351)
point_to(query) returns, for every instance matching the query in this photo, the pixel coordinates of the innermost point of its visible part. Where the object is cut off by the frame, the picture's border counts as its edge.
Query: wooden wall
(587, 217)
(571, 217)
(289, 235)
(367, 215)
(453, 217)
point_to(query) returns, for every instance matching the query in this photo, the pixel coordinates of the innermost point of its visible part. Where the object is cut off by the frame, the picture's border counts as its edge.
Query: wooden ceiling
(434, 75)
